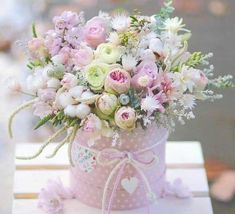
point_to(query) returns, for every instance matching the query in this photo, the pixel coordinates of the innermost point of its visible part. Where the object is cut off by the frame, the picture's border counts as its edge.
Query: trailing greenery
(44, 121)
(164, 14)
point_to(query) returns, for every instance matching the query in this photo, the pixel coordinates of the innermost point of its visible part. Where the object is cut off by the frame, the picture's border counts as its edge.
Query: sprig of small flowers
(116, 72)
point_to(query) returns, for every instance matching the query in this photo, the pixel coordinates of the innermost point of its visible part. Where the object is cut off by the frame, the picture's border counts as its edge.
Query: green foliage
(164, 14)
(44, 120)
(134, 98)
(61, 118)
(222, 82)
(34, 32)
(195, 59)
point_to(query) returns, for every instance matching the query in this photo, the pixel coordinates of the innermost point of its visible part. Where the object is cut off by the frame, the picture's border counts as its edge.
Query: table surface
(184, 160)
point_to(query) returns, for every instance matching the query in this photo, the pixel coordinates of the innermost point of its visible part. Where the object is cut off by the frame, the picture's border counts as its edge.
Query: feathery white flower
(114, 38)
(129, 62)
(150, 104)
(174, 25)
(188, 101)
(120, 22)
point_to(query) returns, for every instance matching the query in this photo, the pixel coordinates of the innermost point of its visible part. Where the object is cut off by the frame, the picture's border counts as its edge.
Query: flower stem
(12, 116)
(60, 131)
(73, 135)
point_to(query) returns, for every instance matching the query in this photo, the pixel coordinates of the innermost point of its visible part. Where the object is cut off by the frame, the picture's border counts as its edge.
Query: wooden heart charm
(130, 184)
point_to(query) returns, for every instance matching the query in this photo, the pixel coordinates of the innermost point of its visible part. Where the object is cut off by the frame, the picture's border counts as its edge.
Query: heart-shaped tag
(130, 184)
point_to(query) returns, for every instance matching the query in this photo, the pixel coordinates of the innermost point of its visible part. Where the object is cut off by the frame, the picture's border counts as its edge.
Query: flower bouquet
(114, 86)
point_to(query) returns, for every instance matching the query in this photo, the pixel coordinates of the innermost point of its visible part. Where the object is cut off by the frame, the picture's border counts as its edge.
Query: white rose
(70, 110)
(82, 110)
(53, 83)
(108, 53)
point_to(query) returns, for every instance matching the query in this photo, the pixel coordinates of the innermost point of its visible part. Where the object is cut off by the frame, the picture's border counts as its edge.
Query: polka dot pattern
(89, 186)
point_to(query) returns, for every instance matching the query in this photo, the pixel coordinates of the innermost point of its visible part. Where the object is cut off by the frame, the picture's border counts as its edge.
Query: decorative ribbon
(109, 156)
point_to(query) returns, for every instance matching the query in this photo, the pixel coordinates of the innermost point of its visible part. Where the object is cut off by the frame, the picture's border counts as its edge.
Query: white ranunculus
(53, 83)
(82, 110)
(70, 110)
(108, 53)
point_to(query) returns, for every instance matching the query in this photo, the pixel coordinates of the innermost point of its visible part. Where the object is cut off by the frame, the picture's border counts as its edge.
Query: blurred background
(213, 26)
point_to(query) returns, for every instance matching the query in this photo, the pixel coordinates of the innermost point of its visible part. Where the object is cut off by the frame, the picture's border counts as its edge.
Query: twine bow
(122, 159)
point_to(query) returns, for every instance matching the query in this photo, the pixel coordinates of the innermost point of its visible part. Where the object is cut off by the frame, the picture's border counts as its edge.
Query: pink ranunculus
(95, 31)
(117, 81)
(52, 196)
(42, 109)
(147, 72)
(69, 81)
(47, 94)
(83, 56)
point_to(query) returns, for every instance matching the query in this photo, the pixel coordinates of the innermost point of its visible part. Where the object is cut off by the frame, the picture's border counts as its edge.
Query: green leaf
(44, 120)
(34, 31)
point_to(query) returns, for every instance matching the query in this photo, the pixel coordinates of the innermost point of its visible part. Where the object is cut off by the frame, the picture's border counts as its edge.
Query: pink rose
(117, 81)
(147, 72)
(125, 118)
(83, 56)
(95, 31)
(69, 81)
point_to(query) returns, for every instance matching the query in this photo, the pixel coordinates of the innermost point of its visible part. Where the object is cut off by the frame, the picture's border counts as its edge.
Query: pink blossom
(69, 81)
(163, 83)
(63, 56)
(53, 42)
(67, 20)
(83, 56)
(200, 80)
(37, 48)
(46, 95)
(51, 197)
(117, 81)
(95, 31)
(42, 109)
(92, 123)
(147, 72)
(178, 189)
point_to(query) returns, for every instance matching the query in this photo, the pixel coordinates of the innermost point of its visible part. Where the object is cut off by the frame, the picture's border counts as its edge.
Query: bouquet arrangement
(115, 71)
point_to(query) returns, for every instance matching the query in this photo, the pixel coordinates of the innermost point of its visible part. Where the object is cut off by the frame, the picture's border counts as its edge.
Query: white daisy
(174, 25)
(120, 22)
